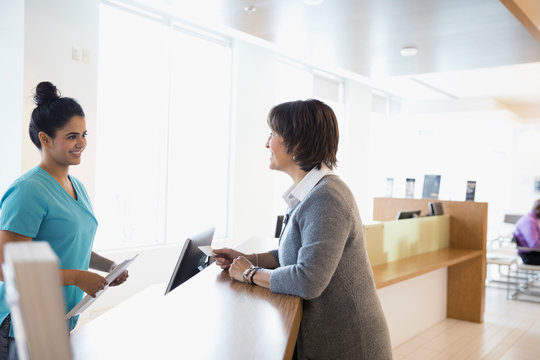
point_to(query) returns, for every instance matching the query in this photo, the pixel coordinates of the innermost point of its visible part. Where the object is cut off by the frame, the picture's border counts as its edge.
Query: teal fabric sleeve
(23, 210)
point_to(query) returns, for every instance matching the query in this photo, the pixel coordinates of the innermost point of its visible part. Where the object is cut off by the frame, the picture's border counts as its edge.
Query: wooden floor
(511, 330)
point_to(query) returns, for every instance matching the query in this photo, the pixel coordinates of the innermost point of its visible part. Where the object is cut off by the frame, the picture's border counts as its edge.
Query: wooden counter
(404, 269)
(207, 317)
(212, 317)
(467, 236)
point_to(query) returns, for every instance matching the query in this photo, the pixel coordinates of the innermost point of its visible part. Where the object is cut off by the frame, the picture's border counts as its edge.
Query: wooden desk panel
(394, 240)
(208, 317)
(468, 219)
(465, 289)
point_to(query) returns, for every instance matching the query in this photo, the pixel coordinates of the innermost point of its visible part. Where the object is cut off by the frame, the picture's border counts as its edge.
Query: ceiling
(466, 48)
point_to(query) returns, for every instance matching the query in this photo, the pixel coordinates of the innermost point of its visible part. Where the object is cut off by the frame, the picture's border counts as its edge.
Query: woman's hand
(224, 257)
(237, 268)
(120, 279)
(90, 282)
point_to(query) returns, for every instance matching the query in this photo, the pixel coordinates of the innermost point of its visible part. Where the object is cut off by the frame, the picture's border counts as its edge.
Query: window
(198, 136)
(162, 132)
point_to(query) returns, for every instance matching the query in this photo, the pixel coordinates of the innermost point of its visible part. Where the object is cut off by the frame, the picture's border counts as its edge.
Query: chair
(525, 278)
(502, 252)
(505, 258)
(279, 225)
(507, 232)
(511, 218)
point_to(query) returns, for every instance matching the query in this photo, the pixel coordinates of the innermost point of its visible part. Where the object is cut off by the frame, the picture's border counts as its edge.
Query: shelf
(404, 269)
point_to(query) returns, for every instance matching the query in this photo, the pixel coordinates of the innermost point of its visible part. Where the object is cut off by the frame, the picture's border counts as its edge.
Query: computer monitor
(432, 184)
(409, 214)
(191, 260)
(435, 208)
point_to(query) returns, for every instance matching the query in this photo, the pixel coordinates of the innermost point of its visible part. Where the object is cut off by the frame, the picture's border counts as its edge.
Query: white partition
(414, 305)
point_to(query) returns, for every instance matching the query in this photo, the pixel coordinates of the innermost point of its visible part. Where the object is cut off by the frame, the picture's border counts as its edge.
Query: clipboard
(88, 300)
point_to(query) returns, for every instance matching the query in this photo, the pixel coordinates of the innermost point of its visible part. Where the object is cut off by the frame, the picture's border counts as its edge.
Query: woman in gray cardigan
(322, 256)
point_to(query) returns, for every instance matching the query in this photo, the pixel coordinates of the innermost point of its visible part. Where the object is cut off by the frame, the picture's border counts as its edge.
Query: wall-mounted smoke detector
(408, 51)
(313, 2)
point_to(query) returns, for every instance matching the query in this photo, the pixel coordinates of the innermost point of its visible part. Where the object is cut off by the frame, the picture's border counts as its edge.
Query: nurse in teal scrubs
(48, 204)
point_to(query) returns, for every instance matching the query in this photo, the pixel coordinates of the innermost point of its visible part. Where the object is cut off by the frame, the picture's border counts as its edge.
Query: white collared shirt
(297, 193)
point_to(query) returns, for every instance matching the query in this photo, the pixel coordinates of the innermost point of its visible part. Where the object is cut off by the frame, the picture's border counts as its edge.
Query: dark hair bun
(46, 93)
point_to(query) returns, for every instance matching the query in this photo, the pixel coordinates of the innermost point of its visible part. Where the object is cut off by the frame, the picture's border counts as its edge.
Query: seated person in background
(527, 234)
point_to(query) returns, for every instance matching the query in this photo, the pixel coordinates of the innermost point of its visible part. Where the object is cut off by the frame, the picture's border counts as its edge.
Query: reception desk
(212, 317)
(207, 317)
(457, 241)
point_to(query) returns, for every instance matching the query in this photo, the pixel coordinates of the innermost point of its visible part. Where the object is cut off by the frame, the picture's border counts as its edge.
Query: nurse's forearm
(100, 263)
(87, 281)
(69, 276)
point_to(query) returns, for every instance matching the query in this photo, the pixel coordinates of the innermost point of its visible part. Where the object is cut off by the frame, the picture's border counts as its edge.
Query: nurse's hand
(224, 257)
(120, 279)
(90, 282)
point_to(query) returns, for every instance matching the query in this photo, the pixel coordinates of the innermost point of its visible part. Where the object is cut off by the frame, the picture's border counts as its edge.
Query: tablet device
(191, 260)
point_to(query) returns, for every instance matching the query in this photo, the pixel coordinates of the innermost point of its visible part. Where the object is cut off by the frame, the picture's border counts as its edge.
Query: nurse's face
(279, 158)
(70, 141)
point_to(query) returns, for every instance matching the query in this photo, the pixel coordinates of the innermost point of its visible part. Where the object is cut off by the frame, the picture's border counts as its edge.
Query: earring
(294, 157)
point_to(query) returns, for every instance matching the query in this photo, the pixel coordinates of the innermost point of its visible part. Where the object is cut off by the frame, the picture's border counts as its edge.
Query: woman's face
(279, 158)
(70, 141)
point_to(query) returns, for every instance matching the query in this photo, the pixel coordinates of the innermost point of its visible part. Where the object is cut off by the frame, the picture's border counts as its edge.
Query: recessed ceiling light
(408, 51)
(250, 9)
(313, 2)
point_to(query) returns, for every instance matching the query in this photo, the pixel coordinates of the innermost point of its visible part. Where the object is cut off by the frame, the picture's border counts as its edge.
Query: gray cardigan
(323, 259)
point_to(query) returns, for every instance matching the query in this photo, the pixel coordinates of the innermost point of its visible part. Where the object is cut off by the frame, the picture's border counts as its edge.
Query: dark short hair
(536, 207)
(52, 111)
(309, 129)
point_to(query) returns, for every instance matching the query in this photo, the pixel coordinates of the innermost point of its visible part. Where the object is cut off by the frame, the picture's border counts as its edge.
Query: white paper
(88, 300)
(207, 250)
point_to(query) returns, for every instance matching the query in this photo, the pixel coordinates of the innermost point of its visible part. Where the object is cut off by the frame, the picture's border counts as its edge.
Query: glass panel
(131, 130)
(198, 137)
(162, 133)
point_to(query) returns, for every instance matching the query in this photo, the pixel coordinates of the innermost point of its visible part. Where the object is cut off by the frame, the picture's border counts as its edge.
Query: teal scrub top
(37, 206)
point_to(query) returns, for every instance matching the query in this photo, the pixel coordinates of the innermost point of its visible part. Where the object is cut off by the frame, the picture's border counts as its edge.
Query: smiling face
(279, 158)
(67, 146)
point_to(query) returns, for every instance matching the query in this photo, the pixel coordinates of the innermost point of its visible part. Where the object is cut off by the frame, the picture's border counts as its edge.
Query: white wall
(254, 185)
(51, 29)
(459, 147)
(355, 166)
(424, 297)
(525, 169)
(11, 89)
(254, 71)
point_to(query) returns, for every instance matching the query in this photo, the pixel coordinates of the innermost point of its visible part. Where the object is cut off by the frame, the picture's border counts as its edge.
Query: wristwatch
(246, 273)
